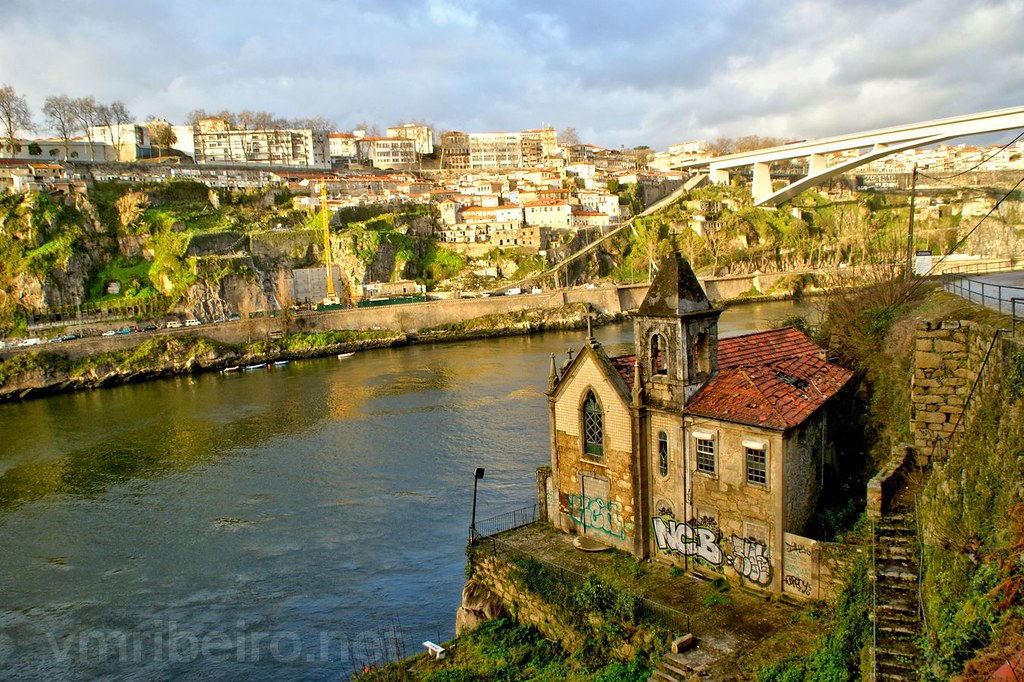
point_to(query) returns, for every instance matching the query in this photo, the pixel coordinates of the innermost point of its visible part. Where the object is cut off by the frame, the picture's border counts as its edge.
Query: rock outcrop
(478, 605)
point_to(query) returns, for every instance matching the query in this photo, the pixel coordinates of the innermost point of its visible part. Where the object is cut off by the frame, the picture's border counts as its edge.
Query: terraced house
(703, 452)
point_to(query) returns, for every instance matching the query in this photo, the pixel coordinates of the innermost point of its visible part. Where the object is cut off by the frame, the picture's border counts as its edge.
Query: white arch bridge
(878, 143)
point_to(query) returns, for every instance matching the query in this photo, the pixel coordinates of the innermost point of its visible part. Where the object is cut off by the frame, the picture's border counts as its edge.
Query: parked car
(192, 323)
(124, 330)
(110, 332)
(31, 342)
(146, 327)
(233, 317)
(173, 324)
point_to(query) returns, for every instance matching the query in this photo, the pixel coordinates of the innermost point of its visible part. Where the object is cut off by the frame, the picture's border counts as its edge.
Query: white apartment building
(488, 151)
(422, 136)
(218, 143)
(342, 146)
(387, 152)
(550, 213)
(128, 141)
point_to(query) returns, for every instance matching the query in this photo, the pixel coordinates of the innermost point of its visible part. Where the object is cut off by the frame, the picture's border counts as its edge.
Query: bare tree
(371, 129)
(86, 118)
(16, 116)
(229, 116)
(320, 124)
(265, 120)
(568, 135)
(120, 117)
(113, 116)
(195, 116)
(746, 143)
(60, 116)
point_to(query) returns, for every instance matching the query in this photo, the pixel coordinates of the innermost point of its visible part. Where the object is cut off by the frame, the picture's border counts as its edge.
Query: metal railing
(1002, 265)
(504, 522)
(996, 296)
(647, 610)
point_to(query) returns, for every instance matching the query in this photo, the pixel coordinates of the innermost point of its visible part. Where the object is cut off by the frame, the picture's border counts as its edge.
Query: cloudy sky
(628, 72)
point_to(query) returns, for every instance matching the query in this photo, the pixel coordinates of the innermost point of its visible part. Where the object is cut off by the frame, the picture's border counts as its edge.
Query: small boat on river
(342, 356)
(281, 363)
(232, 368)
(257, 366)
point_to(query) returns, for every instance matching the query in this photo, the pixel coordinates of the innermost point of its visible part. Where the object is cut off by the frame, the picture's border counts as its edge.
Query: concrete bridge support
(720, 176)
(762, 181)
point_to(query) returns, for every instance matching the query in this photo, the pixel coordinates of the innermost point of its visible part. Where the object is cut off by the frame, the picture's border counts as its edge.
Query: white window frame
(704, 436)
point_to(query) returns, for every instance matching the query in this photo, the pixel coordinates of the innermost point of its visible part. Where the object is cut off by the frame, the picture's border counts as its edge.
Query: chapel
(695, 450)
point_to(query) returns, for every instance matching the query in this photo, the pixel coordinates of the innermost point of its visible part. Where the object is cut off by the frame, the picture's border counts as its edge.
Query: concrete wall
(812, 569)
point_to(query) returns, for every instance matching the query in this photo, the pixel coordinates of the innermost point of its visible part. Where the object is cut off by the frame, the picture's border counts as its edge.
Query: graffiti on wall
(702, 539)
(598, 514)
(688, 539)
(750, 559)
(798, 564)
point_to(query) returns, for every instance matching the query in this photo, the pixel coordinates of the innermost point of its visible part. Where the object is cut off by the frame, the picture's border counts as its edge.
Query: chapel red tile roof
(625, 365)
(774, 379)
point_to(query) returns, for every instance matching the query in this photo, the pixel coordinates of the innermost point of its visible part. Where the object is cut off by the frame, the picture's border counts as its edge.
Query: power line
(975, 166)
(906, 296)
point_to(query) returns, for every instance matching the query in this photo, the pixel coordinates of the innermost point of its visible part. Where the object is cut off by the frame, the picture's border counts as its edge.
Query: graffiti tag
(682, 538)
(749, 557)
(797, 548)
(799, 584)
(598, 514)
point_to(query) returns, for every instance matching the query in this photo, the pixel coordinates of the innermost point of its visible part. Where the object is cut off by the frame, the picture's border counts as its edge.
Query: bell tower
(676, 335)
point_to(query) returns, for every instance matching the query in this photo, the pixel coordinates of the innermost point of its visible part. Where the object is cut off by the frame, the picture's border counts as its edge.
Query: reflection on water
(262, 514)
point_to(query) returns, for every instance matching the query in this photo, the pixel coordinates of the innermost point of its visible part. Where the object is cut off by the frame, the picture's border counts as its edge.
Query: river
(275, 524)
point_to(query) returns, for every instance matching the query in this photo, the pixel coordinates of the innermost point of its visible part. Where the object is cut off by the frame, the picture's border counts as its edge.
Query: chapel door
(596, 505)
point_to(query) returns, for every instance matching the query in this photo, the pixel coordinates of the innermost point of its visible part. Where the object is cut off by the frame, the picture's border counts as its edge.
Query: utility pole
(909, 273)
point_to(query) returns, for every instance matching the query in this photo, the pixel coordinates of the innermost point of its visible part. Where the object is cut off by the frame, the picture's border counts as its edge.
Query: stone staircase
(896, 618)
(671, 668)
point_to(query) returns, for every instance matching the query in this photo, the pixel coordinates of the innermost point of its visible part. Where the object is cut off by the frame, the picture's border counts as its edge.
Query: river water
(277, 524)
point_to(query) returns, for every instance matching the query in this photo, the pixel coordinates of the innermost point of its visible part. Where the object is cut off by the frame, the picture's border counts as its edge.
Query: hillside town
(511, 190)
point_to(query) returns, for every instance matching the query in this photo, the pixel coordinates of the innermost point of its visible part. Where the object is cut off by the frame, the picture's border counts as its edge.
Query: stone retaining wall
(497, 578)
(948, 357)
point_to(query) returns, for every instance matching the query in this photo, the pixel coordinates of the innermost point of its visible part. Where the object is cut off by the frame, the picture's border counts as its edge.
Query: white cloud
(623, 74)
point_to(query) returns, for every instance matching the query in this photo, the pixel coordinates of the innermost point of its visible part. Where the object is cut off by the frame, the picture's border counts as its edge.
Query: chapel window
(593, 426)
(663, 453)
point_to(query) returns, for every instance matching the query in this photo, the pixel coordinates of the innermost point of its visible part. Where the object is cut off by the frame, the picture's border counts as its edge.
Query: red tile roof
(625, 365)
(773, 379)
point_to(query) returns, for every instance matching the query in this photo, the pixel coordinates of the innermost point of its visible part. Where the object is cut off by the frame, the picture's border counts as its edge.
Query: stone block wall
(948, 357)
(496, 577)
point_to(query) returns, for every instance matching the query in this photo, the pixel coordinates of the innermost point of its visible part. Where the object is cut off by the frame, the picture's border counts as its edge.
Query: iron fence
(995, 296)
(646, 610)
(504, 522)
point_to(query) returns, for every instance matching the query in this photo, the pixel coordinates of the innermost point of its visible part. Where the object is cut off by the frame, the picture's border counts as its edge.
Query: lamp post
(477, 475)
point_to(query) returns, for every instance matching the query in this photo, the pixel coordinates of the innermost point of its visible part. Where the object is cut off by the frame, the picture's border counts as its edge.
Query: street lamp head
(479, 472)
